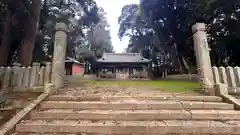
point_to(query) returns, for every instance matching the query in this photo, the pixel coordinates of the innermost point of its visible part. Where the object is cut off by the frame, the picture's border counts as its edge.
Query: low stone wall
(19, 77)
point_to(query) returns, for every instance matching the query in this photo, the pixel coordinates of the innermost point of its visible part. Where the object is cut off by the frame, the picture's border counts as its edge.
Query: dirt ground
(117, 90)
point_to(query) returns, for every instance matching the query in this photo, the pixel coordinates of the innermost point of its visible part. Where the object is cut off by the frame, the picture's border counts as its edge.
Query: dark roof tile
(122, 58)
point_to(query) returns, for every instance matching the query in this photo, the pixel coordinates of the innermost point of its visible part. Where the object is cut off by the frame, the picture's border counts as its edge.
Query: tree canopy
(162, 28)
(27, 28)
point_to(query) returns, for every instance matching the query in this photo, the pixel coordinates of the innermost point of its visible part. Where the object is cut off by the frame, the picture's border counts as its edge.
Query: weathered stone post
(237, 75)
(58, 64)
(203, 57)
(6, 77)
(47, 73)
(1, 73)
(41, 76)
(26, 76)
(33, 74)
(37, 68)
(20, 76)
(1, 76)
(15, 74)
(230, 77)
(216, 75)
(223, 75)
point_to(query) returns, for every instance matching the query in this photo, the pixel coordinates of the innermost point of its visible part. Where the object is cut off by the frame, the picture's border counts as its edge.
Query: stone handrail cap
(198, 27)
(61, 27)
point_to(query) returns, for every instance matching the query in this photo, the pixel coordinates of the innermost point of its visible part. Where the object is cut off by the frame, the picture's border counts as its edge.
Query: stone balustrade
(229, 76)
(19, 77)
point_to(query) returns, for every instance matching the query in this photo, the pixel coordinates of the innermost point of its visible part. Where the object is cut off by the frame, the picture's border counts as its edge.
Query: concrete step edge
(131, 127)
(22, 133)
(135, 105)
(136, 115)
(158, 98)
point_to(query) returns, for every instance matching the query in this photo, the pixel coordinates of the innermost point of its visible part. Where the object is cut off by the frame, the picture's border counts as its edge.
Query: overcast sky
(113, 9)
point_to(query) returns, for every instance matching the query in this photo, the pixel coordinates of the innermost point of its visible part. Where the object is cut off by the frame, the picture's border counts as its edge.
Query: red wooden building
(73, 67)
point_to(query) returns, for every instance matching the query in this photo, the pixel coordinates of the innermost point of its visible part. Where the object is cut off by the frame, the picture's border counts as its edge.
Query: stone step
(24, 133)
(18, 133)
(156, 98)
(135, 105)
(130, 127)
(136, 115)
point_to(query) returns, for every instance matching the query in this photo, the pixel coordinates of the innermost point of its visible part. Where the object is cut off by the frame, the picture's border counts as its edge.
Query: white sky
(113, 9)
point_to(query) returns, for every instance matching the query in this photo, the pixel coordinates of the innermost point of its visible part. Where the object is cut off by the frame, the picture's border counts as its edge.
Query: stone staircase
(113, 115)
(11, 103)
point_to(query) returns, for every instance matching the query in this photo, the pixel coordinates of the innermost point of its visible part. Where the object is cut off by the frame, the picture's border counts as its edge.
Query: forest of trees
(157, 28)
(27, 30)
(163, 28)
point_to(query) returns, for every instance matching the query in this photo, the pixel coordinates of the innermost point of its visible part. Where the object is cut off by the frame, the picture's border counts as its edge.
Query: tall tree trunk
(31, 28)
(6, 39)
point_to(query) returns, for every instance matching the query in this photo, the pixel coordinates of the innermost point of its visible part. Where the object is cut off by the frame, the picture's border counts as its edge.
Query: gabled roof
(122, 58)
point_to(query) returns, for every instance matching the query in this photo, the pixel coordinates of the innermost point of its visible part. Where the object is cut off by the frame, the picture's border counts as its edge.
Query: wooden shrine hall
(123, 66)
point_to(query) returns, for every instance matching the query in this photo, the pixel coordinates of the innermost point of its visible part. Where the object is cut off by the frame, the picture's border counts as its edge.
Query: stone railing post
(15, 74)
(216, 75)
(223, 75)
(41, 76)
(33, 74)
(26, 76)
(47, 73)
(237, 75)
(58, 64)
(6, 77)
(37, 68)
(203, 57)
(1, 72)
(230, 77)
(20, 76)
(1, 75)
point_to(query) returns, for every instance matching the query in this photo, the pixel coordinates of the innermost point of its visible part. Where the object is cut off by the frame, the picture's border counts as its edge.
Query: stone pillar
(203, 57)
(58, 64)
